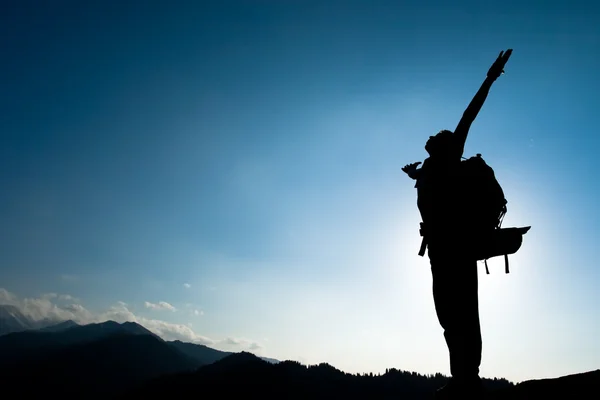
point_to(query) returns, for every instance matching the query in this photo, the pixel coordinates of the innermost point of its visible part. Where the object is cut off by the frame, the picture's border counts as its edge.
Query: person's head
(439, 144)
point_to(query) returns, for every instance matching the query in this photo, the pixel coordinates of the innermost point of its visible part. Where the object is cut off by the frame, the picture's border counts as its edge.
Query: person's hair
(438, 144)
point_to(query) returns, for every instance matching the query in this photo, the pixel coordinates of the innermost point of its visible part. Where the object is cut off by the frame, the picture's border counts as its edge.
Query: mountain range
(36, 338)
(125, 360)
(13, 320)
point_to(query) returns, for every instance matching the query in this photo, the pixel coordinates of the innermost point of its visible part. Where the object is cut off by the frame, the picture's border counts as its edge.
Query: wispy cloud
(7, 297)
(160, 306)
(69, 278)
(240, 342)
(120, 312)
(62, 297)
(194, 310)
(50, 308)
(187, 285)
(255, 346)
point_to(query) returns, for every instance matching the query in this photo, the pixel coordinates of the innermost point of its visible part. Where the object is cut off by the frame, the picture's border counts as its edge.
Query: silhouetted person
(447, 231)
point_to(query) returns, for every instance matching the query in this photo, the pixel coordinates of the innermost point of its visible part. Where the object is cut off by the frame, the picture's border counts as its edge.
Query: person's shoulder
(456, 146)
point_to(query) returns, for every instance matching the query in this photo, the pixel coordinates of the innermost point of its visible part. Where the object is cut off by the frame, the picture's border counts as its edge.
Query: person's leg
(448, 300)
(471, 327)
(467, 335)
(456, 302)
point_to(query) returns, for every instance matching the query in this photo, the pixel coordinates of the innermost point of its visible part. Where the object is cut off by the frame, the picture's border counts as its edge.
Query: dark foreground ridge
(245, 375)
(576, 386)
(111, 360)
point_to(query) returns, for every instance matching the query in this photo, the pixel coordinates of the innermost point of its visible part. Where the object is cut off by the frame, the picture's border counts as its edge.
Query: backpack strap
(423, 246)
(487, 271)
(423, 241)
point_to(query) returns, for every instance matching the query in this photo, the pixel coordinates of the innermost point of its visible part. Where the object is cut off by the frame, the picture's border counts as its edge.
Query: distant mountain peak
(134, 327)
(61, 326)
(245, 355)
(242, 357)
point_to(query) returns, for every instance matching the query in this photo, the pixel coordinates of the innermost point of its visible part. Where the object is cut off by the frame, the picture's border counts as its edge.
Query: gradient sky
(240, 162)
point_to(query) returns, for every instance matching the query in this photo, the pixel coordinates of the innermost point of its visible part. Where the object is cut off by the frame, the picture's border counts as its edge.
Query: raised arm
(462, 129)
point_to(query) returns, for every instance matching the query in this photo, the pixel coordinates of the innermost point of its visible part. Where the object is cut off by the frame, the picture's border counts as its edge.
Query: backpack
(482, 206)
(481, 195)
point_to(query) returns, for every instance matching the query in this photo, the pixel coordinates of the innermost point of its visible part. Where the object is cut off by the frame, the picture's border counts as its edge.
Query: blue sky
(241, 162)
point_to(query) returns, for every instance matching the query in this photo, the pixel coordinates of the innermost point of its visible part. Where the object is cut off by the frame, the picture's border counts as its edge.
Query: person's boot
(461, 389)
(474, 387)
(449, 391)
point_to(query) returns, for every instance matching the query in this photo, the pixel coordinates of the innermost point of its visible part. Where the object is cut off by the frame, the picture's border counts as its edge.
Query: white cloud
(118, 313)
(255, 346)
(187, 285)
(241, 343)
(46, 308)
(161, 305)
(170, 331)
(198, 313)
